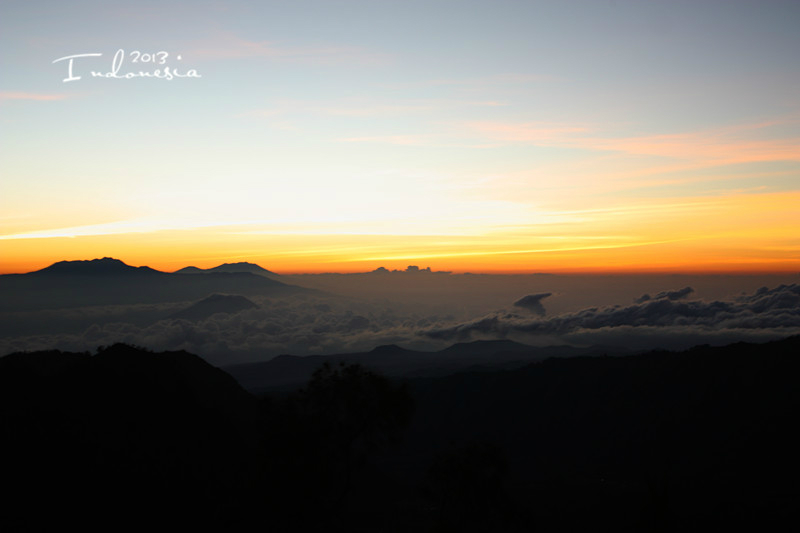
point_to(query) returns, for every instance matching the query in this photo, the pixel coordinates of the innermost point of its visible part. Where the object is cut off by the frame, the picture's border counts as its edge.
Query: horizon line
(729, 269)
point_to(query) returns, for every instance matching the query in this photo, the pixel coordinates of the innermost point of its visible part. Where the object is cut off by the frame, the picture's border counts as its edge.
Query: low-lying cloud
(666, 320)
(304, 325)
(680, 294)
(298, 325)
(533, 303)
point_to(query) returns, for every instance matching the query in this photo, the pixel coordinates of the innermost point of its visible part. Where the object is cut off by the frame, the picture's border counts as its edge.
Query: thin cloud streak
(118, 228)
(715, 147)
(418, 256)
(402, 140)
(227, 45)
(350, 108)
(21, 95)
(511, 79)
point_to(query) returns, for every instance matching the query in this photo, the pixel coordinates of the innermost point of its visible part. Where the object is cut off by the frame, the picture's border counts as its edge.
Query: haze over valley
(241, 312)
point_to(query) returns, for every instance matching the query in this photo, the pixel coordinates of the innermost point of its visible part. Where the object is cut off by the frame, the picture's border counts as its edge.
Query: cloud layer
(317, 325)
(666, 320)
(533, 303)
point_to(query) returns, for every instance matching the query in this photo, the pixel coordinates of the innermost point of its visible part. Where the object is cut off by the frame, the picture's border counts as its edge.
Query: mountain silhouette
(462, 349)
(106, 266)
(290, 371)
(109, 281)
(148, 436)
(189, 270)
(228, 267)
(390, 350)
(699, 440)
(216, 303)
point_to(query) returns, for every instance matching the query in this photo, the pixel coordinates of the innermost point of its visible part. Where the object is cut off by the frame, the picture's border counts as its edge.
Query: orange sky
(529, 137)
(740, 233)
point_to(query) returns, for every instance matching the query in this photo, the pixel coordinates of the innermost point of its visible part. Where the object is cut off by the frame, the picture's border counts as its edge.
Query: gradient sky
(501, 136)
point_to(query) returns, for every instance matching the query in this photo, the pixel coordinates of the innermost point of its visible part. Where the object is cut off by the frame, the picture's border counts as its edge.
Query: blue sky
(474, 129)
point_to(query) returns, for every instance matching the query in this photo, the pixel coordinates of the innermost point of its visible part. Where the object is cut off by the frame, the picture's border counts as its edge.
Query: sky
(320, 136)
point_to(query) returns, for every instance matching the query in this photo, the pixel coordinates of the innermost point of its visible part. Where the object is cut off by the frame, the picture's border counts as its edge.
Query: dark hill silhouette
(484, 348)
(692, 441)
(241, 267)
(290, 371)
(111, 282)
(390, 350)
(124, 433)
(189, 270)
(106, 266)
(228, 267)
(700, 440)
(216, 303)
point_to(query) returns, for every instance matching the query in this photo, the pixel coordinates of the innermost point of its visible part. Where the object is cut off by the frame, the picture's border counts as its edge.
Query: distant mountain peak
(388, 349)
(240, 263)
(242, 266)
(189, 270)
(214, 304)
(217, 298)
(486, 347)
(96, 267)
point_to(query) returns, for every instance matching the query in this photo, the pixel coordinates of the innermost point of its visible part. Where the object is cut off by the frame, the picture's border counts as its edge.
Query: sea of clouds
(326, 324)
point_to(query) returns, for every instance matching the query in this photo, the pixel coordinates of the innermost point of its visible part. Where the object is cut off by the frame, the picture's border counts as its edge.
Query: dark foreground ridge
(288, 372)
(693, 441)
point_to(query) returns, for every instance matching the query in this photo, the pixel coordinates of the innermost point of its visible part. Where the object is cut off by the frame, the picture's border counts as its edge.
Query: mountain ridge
(287, 371)
(214, 304)
(241, 266)
(104, 266)
(700, 438)
(110, 281)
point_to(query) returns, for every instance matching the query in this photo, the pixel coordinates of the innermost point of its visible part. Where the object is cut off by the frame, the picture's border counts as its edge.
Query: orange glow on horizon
(736, 234)
(556, 264)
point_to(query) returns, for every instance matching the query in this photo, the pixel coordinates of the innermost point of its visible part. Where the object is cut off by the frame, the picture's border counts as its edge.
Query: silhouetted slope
(484, 348)
(228, 267)
(241, 267)
(109, 282)
(106, 266)
(216, 303)
(701, 440)
(189, 270)
(122, 437)
(691, 441)
(291, 371)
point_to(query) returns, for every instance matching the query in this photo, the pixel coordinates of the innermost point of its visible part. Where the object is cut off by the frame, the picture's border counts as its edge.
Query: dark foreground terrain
(692, 441)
